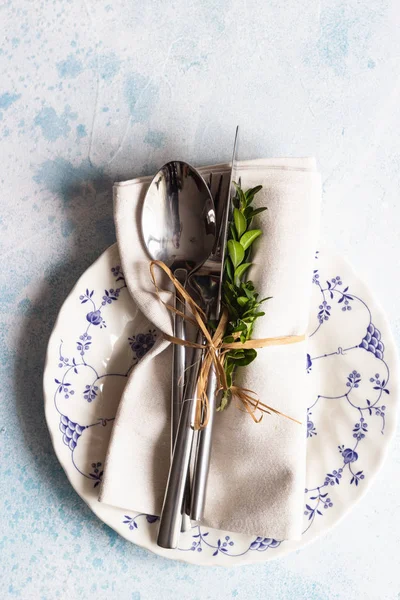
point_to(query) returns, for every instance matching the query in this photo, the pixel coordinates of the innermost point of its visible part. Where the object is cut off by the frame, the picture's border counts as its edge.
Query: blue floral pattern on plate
(362, 393)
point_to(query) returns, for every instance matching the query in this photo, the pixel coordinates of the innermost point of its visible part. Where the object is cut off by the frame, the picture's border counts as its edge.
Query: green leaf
(229, 368)
(253, 313)
(223, 403)
(238, 356)
(233, 232)
(247, 255)
(229, 364)
(242, 300)
(230, 286)
(233, 313)
(241, 326)
(240, 195)
(229, 268)
(252, 192)
(255, 211)
(248, 238)
(250, 355)
(240, 271)
(249, 293)
(212, 324)
(229, 339)
(236, 252)
(240, 222)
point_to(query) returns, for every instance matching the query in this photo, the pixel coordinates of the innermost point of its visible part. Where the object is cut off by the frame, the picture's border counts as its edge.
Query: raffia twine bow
(214, 354)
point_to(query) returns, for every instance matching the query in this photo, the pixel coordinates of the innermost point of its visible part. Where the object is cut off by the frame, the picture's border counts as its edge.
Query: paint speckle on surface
(141, 95)
(7, 99)
(70, 67)
(54, 125)
(334, 40)
(81, 131)
(156, 139)
(97, 563)
(371, 64)
(62, 178)
(108, 65)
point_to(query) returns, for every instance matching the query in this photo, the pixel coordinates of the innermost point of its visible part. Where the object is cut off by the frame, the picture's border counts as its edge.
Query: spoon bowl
(178, 218)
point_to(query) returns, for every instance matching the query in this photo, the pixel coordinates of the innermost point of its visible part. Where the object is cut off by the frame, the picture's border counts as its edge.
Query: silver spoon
(178, 225)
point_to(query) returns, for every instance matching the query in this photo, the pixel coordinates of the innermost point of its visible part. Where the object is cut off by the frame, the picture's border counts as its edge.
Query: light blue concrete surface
(94, 91)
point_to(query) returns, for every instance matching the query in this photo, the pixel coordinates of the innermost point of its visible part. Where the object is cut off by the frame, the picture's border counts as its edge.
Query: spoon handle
(178, 371)
(171, 514)
(173, 506)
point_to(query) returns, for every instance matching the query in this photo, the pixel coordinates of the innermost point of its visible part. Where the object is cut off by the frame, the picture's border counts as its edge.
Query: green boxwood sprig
(239, 296)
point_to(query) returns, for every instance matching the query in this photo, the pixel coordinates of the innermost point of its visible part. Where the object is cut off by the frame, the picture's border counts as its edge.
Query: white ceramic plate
(96, 343)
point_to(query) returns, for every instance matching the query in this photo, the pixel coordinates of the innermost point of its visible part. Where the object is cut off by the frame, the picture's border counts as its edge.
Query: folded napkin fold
(257, 473)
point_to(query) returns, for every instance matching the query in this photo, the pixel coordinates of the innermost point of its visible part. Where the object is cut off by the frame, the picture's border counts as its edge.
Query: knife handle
(203, 454)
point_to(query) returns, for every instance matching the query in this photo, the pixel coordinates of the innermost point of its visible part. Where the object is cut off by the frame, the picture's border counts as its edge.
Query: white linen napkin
(257, 473)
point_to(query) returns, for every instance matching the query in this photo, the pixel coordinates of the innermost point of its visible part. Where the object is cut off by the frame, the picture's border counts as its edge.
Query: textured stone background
(92, 91)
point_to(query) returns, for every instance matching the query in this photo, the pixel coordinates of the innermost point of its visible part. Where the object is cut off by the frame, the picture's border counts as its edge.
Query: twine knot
(214, 354)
